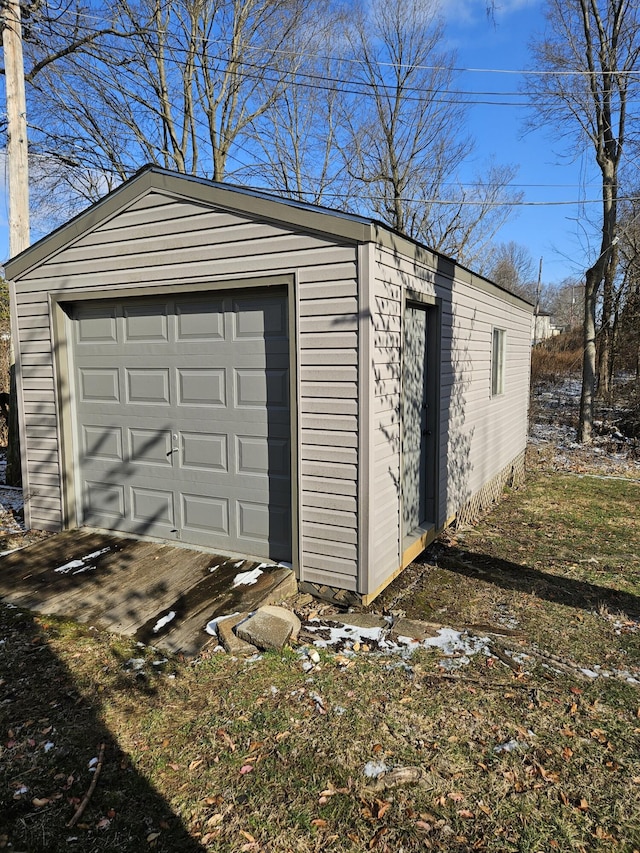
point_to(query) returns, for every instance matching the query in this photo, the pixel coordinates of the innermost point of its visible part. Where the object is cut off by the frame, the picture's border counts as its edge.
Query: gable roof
(335, 224)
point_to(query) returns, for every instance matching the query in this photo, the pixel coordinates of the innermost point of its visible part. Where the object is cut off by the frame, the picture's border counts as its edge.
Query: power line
(418, 67)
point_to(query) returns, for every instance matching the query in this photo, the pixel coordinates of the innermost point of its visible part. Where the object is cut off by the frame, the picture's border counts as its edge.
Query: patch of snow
(247, 578)
(171, 615)
(589, 673)
(286, 565)
(238, 564)
(48, 746)
(510, 746)
(135, 663)
(213, 568)
(80, 565)
(373, 769)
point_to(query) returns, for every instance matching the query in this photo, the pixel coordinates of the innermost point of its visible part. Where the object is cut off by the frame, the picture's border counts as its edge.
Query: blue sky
(557, 233)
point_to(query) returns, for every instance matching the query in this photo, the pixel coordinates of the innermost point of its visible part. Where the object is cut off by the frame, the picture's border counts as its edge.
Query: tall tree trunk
(585, 427)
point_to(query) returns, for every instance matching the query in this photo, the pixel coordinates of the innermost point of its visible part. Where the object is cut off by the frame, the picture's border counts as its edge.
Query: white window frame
(498, 361)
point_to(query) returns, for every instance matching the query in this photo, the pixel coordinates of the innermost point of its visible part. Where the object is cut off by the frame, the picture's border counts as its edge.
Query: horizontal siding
(479, 435)
(160, 241)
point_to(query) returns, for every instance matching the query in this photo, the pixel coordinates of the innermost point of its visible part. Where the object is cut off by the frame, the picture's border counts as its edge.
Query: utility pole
(16, 127)
(18, 193)
(536, 310)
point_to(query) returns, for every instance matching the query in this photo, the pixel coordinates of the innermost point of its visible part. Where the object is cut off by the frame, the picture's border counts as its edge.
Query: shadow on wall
(451, 373)
(51, 729)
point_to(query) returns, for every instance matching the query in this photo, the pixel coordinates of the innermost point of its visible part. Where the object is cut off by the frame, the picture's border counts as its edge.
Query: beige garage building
(220, 367)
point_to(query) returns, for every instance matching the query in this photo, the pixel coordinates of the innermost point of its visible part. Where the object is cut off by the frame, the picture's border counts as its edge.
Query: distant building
(542, 327)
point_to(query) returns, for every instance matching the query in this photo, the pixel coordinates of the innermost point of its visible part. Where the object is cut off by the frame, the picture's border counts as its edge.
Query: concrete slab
(159, 593)
(231, 642)
(414, 629)
(267, 629)
(360, 620)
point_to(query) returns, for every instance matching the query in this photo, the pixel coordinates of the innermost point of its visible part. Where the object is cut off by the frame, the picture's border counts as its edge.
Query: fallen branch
(90, 790)
(505, 658)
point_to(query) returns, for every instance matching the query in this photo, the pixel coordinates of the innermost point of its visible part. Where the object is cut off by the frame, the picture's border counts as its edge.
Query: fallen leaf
(246, 768)
(456, 796)
(423, 825)
(564, 798)
(567, 753)
(319, 822)
(214, 820)
(248, 836)
(465, 813)
(39, 802)
(584, 805)
(227, 739)
(195, 764)
(383, 808)
(174, 766)
(153, 836)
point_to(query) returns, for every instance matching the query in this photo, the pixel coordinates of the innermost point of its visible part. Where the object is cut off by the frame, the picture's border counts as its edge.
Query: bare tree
(404, 139)
(588, 57)
(172, 82)
(511, 266)
(297, 140)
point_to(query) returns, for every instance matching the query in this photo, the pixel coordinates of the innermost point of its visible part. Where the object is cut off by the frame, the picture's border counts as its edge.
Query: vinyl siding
(160, 240)
(479, 434)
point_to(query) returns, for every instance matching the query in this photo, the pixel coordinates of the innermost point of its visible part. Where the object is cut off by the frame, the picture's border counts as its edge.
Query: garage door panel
(205, 514)
(202, 387)
(259, 388)
(101, 442)
(97, 325)
(266, 457)
(146, 323)
(262, 524)
(254, 319)
(150, 447)
(204, 452)
(147, 385)
(152, 506)
(201, 320)
(184, 424)
(103, 500)
(99, 384)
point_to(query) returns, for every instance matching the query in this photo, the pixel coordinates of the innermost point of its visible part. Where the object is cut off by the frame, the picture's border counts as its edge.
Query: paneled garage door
(182, 418)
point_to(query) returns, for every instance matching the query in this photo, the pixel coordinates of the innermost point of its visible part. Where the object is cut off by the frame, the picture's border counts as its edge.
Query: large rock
(270, 627)
(232, 643)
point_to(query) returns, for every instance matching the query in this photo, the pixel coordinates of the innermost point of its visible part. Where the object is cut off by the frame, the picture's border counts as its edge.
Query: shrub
(557, 358)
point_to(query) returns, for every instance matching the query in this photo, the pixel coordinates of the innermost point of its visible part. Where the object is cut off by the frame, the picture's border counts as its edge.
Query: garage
(182, 418)
(212, 365)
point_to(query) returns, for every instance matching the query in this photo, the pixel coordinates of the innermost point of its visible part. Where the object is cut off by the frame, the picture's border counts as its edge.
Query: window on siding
(497, 361)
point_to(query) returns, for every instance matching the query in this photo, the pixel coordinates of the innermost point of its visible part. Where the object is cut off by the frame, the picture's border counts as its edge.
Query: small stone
(314, 656)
